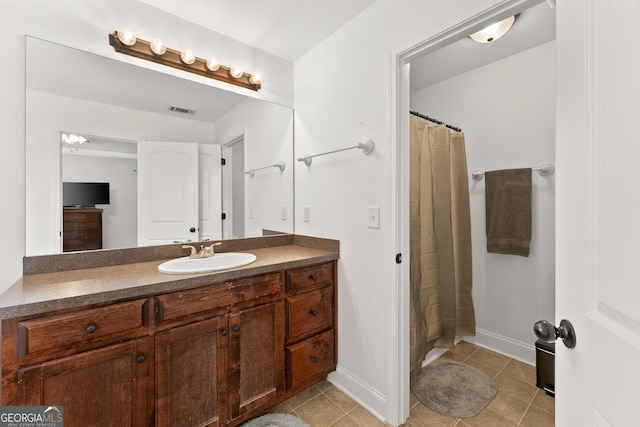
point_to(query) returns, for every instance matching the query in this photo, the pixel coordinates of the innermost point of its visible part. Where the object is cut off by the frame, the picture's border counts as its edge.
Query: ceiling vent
(181, 110)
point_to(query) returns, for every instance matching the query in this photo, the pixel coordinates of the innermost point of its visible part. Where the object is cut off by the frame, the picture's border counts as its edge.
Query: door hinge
(224, 216)
(223, 161)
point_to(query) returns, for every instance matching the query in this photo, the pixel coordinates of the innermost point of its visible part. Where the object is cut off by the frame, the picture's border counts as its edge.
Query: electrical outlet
(374, 216)
(307, 214)
(283, 215)
(250, 212)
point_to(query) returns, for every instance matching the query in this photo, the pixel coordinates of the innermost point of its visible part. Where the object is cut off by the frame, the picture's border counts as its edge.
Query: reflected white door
(167, 192)
(598, 212)
(210, 194)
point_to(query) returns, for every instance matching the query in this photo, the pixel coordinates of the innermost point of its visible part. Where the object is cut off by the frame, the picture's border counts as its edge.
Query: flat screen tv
(85, 194)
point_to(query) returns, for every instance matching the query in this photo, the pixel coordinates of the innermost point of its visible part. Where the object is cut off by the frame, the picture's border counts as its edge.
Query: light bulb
(158, 47)
(494, 31)
(212, 64)
(256, 78)
(236, 72)
(126, 37)
(187, 57)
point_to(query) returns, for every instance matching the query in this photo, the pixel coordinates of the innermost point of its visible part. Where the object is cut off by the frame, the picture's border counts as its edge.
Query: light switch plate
(307, 214)
(283, 216)
(374, 216)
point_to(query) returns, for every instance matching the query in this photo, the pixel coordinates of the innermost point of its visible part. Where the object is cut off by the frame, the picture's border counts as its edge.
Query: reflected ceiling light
(236, 72)
(187, 57)
(70, 138)
(212, 64)
(126, 37)
(494, 31)
(159, 53)
(255, 78)
(158, 47)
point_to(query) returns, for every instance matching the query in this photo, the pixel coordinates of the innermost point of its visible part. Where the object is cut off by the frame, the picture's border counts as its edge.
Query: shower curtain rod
(431, 119)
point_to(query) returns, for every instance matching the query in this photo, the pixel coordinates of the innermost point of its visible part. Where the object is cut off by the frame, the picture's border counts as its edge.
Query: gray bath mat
(453, 388)
(275, 420)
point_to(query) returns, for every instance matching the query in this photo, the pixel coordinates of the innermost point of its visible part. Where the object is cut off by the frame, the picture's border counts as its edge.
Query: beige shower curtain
(440, 229)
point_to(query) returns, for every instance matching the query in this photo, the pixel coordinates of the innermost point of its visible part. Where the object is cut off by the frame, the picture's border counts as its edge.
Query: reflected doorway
(233, 189)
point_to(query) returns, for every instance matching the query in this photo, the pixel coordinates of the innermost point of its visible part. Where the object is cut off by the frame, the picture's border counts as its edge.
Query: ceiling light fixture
(494, 31)
(70, 138)
(159, 53)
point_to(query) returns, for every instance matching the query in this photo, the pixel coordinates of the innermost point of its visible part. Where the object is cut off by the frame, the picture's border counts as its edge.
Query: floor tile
(537, 418)
(490, 359)
(489, 418)
(346, 421)
(492, 373)
(522, 371)
(544, 402)
(303, 397)
(320, 412)
(365, 418)
(421, 416)
(516, 388)
(341, 400)
(510, 407)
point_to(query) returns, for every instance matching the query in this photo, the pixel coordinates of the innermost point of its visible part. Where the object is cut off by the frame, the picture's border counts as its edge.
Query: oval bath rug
(453, 388)
(275, 420)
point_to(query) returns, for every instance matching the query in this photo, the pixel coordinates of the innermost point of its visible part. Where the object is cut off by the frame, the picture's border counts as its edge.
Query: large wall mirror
(158, 140)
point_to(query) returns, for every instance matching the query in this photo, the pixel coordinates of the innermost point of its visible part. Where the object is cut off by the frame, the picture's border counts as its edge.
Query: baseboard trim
(518, 350)
(370, 399)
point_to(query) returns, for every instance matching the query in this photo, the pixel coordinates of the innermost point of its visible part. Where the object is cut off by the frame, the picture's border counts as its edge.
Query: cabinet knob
(236, 328)
(141, 358)
(313, 277)
(313, 312)
(90, 329)
(314, 359)
(224, 332)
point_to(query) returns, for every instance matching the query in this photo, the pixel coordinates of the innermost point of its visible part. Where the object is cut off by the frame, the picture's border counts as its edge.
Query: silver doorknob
(548, 332)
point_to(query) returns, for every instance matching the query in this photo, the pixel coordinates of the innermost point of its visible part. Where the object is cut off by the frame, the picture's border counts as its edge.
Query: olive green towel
(508, 208)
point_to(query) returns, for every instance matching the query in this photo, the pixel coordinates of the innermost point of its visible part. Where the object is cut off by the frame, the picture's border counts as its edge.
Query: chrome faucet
(204, 252)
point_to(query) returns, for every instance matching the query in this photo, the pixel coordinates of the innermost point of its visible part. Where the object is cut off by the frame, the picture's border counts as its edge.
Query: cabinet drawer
(310, 359)
(309, 311)
(310, 277)
(78, 327)
(179, 304)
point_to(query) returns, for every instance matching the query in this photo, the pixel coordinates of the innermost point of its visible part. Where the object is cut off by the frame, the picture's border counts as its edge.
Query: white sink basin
(221, 261)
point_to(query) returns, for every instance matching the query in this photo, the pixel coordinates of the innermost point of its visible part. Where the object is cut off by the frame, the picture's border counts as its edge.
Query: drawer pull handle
(313, 277)
(91, 329)
(236, 328)
(141, 358)
(314, 359)
(313, 312)
(224, 332)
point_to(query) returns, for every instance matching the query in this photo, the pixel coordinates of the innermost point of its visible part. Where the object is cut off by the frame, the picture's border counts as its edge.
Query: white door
(598, 212)
(167, 192)
(210, 191)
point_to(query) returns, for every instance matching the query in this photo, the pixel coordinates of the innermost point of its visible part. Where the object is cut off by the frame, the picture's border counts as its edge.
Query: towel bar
(544, 169)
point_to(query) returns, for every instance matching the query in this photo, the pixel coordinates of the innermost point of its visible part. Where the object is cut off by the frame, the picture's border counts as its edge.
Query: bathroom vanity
(126, 345)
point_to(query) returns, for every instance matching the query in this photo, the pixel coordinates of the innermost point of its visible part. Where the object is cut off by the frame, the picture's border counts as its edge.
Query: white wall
(268, 132)
(85, 25)
(507, 112)
(341, 92)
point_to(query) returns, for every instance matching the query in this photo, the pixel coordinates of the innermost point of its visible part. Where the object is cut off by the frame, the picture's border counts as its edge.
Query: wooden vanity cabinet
(214, 371)
(213, 355)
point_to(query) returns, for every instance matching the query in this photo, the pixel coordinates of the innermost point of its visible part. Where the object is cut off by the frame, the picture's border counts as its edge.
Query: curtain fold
(440, 241)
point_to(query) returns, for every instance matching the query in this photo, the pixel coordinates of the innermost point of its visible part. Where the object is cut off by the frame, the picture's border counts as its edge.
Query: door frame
(459, 25)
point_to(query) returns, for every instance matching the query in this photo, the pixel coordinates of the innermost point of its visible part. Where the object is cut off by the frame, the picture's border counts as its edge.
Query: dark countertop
(49, 291)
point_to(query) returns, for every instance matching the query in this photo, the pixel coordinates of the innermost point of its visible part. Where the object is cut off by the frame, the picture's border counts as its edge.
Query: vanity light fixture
(124, 41)
(494, 31)
(187, 57)
(158, 47)
(236, 72)
(212, 64)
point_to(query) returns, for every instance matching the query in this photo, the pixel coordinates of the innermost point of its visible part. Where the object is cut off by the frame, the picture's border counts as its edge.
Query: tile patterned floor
(518, 403)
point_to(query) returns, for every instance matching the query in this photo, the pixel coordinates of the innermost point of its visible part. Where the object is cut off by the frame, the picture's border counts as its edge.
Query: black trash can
(545, 367)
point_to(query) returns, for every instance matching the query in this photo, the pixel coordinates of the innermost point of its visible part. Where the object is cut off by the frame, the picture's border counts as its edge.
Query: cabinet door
(256, 358)
(111, 386)
(191, 364)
